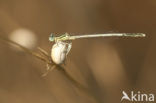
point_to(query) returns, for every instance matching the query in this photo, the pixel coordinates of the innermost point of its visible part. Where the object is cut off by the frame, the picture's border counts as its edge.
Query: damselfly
(61, 47)
(67, 37)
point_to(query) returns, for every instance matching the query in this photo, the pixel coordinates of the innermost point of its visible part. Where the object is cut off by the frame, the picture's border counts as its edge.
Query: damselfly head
(51, 37)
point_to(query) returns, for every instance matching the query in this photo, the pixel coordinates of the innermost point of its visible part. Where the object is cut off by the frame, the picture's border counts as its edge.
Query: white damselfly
(63, 43)
(67, 37)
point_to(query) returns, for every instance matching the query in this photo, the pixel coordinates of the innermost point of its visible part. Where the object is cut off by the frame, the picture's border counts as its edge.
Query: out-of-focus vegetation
(105, 66)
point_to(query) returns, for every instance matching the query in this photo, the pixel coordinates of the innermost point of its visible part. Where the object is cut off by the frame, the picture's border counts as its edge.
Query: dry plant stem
(24, 49)
(49, 68)
(43, 52)
(51, 65)
(82, 88)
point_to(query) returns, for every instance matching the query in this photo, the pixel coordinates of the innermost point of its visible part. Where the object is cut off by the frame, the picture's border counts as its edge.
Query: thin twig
(49, 68)
(23, 48)
(43, 52)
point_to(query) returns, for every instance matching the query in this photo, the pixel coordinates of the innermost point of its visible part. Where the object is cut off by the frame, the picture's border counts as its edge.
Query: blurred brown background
(106, 65)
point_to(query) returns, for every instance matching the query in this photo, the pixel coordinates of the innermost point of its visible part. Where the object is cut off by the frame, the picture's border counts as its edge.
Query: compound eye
(51, 37)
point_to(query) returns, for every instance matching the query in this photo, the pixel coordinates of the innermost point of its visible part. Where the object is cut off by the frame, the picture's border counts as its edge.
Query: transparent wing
(69, 48)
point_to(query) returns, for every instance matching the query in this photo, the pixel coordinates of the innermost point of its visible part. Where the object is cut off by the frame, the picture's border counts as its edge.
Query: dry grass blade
(23, 48)
(43, 52)
(48, 61)
(51, 66)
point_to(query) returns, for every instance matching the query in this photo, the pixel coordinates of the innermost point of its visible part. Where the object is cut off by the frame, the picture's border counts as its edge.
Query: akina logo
(138, 96)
